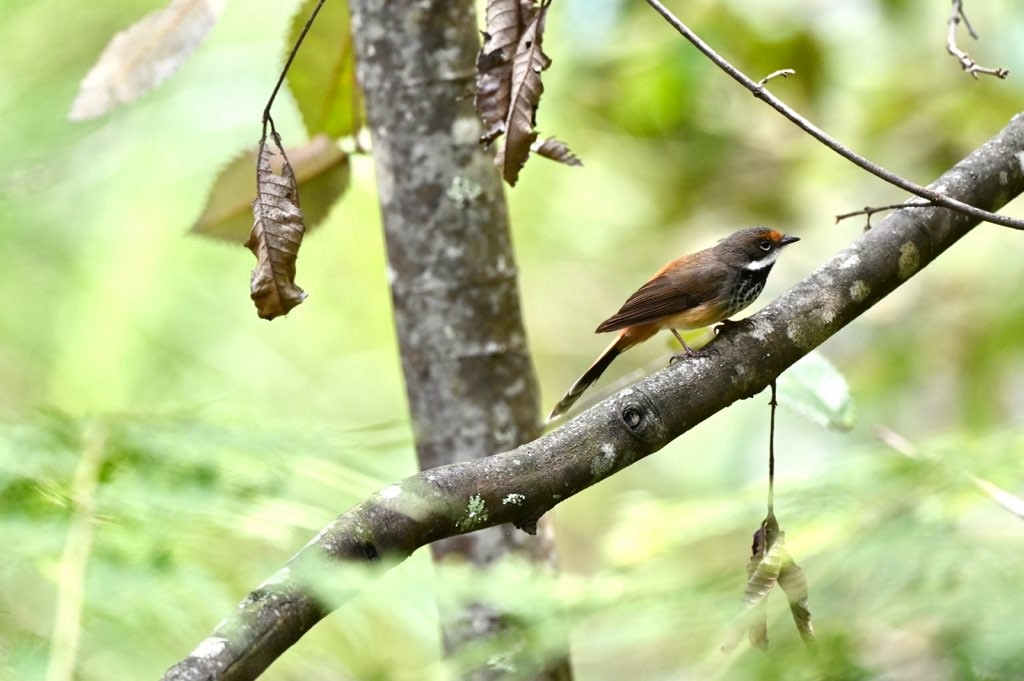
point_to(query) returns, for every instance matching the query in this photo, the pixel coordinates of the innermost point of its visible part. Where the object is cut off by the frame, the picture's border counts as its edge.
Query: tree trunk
(469, 379)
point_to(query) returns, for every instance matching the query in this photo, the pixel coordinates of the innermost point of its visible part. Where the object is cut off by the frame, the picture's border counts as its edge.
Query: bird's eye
(766, 245)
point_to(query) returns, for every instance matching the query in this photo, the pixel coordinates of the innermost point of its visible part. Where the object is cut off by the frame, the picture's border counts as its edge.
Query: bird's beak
(786, 240)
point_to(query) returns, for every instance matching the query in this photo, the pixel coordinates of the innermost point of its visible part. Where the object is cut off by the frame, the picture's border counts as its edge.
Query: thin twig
(898, 443)
(871, 210)
(958, 11)
(784, 73)
(1011, 502)
(878, 171)
(968, 64)
(284, 71)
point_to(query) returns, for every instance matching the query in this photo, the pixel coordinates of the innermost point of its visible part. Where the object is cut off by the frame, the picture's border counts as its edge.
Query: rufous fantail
(690, 292)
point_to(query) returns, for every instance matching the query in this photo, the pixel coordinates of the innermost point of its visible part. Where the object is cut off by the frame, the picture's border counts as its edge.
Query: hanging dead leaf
(766, 564)
(509, 86)
(762, 575)
(757, 628)
(321, 171)
(767, 555)
(506, 20)
(277, 232)
(527, 87)
(556, 150)
(144, 55)
(794, 584)
(770, 564)
(322, 77)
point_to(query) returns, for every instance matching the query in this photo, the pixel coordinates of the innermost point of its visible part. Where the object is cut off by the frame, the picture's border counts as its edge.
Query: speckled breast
(748, 287)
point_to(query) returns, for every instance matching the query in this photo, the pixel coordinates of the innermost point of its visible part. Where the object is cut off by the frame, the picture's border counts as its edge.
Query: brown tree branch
(520, 485)
(966, 62)
(937, 197)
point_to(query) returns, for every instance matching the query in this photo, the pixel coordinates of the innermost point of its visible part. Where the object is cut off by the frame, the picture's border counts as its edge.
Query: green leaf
(816, 390)
(321, 169)
(323, 76)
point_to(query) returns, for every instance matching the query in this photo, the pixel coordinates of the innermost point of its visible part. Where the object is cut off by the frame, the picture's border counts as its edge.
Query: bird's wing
(666, 294)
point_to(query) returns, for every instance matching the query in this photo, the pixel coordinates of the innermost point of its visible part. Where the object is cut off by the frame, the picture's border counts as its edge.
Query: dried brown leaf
(763, 571)
(144, 55)
(557, 150)
(493, 92)
(757, 628)
(277, 232)
(321, 170)
(527, 65)
(509, 85)
(506, 20)
(794, 583)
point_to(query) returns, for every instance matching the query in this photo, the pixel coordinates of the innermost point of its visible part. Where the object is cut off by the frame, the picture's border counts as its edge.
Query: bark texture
(469, 378)
(520, 485)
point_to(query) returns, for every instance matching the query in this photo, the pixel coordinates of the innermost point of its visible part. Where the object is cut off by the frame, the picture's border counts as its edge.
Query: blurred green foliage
(228, 442)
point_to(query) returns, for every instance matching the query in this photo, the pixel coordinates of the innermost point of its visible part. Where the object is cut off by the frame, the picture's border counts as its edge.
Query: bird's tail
(589, 376)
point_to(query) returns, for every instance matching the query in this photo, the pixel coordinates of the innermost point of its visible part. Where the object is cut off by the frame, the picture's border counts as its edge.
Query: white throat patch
(766, 261)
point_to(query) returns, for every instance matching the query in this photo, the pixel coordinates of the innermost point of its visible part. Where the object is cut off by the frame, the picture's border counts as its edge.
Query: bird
(690, 292)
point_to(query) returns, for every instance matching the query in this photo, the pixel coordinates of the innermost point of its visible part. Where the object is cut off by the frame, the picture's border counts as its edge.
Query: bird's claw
(680, 356)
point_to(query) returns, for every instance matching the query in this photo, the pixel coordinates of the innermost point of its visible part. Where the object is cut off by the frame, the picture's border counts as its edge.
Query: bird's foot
(687, 353)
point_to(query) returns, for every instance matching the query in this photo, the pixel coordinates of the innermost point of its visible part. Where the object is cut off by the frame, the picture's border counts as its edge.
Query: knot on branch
(370, 552)
(632, 416)
(641, 418)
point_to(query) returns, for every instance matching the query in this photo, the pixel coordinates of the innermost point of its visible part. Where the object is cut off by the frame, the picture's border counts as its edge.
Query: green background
(227, 442)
